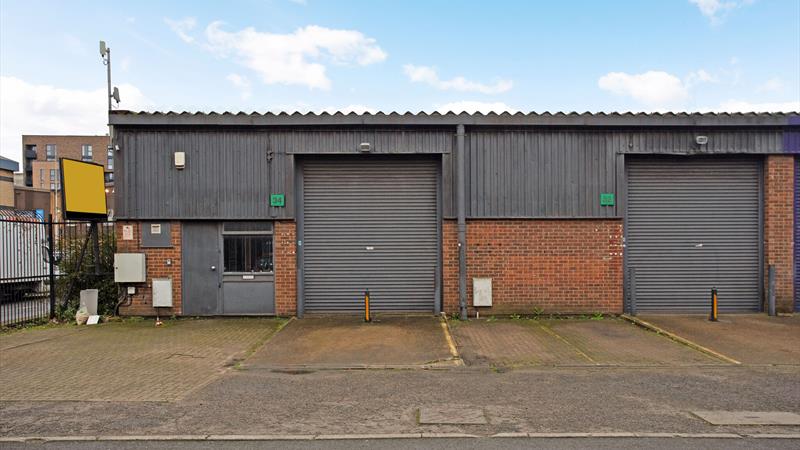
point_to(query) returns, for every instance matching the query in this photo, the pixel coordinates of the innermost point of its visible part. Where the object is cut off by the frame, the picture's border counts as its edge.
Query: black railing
(44, 265)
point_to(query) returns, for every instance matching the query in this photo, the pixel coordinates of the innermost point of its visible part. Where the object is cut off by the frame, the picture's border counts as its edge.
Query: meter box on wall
(481, 292)
(129, 268)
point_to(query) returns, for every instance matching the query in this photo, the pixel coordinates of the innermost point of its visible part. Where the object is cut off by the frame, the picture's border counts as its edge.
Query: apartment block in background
(40, 154)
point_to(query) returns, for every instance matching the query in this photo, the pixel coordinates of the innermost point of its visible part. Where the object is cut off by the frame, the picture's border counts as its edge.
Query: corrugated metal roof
(123, 117)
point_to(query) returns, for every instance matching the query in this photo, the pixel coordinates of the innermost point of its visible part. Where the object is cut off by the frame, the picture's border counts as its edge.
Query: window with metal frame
(86, 152)
(110, 158)
(50, 150)
(247, 247)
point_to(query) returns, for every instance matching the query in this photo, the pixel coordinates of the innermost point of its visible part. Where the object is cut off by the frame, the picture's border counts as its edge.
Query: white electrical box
(162, 292)
(129, 268)
(481, 292)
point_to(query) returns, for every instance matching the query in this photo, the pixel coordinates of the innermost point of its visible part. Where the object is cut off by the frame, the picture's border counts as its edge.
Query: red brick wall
(560, 266)
(156, 260)
(285, 268)
(778, 226)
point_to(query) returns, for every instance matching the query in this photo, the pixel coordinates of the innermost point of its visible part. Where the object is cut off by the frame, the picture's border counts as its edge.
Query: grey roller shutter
(797, 233)
(693, 224)
(369, 223)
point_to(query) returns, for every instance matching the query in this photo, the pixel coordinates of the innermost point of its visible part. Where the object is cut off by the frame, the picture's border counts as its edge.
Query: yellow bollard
(713, 316)
(366, 306)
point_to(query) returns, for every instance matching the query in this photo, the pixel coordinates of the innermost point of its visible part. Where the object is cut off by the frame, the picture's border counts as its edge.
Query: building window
(86, 152)
(110, 158)
(247, 247)
(109, 177)
(52, 186)
(41, 177)
(52, 175)
(50, 150)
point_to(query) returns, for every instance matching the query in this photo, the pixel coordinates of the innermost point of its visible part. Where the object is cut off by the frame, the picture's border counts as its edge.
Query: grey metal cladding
(162, 236)
(682, 141)
(369, 223)
(380, 140)
(693, 224)
(228, 174)
(523, 172)
(538, 174)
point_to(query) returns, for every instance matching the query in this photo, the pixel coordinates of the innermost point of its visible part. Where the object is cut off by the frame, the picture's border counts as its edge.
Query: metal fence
(45, 264)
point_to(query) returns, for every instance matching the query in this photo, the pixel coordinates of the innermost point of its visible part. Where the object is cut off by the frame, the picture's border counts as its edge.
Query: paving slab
(124, 361)
(512, 343)
(612, 341)
(569, 342)
(748, 338)
(749, 417)
(349, 342)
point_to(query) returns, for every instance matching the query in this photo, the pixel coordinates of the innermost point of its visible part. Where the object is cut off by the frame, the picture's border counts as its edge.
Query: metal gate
(45, 264)
(694, 224)
(369, 223)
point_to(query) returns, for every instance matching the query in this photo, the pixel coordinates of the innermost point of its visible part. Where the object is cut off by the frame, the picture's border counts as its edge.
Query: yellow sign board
(83, 190)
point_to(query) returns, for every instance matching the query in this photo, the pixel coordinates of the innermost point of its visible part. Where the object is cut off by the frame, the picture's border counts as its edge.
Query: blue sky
(679, 55)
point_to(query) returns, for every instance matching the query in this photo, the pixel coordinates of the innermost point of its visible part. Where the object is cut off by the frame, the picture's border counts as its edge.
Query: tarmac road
(436, 443)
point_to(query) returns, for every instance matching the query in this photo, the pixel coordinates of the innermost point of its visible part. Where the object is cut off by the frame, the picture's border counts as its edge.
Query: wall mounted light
(180, 160)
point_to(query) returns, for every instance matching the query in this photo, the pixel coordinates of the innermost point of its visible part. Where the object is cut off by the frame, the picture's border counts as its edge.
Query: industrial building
(567, 213)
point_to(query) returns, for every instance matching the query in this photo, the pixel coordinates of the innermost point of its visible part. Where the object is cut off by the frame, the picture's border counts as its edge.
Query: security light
(115, 95)
(365, 147)
(701, 140)
(103, 48)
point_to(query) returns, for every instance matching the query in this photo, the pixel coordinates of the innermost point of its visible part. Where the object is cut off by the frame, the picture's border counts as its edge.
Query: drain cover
(749, 417)
(451, 416)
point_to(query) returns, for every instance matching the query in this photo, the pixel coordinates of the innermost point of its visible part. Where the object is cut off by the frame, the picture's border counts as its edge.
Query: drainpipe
(462, 222)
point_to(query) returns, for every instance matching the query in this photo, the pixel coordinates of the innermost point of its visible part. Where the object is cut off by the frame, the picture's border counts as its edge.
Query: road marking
(679, 339)
(450, 342)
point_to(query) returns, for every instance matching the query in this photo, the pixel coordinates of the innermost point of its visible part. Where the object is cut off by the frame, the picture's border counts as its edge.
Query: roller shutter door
(693, 224)
(797, 233)
(369, 223)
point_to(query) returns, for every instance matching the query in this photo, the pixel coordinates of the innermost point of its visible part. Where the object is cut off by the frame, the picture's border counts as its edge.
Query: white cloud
(746, 106)
(652, 88)
(296, 58)
(699, 76)
(715, 10)
(428, 75)
(182, 27)
(242, 84)
(28, 108)
(475, 106)
(772, 85)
